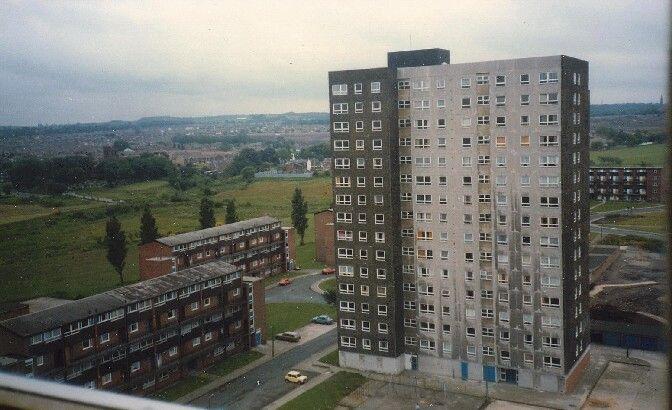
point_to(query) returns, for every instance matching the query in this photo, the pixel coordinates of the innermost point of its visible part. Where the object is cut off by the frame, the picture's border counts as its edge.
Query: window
(441, 123)
(375, 106)
(346, 306)
(525, 99)
(548, 98)
(402, 104)
(105, 337)
(359, 107)
(550, 361)
(548, 77)
(501, 141)
(524, 78)
(403, 85)
(383, 345)
(500, 100)
(133, 327)
(348, 341)
(466, 102)
(359, 145)
(549, 160)
(500, 80)
(524, 120)
(440, 103)
(548, 119)
(341, 145)
(483, 100)
(340, 108)
(377, 144)
(339, 89)
(375, 87)
(106, 378)
(525, 141)
(500, 121)
(482, 79)
(342, 163)
(341, 127)
(548, 140)
(359, 126)
(376, 125)
(483, 120)
(524, 160)
(422, 124)
(358, 88)
(465, 82)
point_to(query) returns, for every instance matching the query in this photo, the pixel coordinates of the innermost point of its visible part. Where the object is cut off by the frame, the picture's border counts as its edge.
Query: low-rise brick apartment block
(137, 338)
(257, 246)
(324, 237)
(626, 183)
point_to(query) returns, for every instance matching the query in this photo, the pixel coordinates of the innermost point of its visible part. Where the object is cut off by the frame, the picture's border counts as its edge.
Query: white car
(295, 376)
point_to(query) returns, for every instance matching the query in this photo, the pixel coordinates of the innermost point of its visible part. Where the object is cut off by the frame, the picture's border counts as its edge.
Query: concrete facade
(324, 237)
(490, 165)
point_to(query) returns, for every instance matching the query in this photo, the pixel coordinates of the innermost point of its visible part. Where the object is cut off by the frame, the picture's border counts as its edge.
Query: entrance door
(465, 370)
(414, 362)
(489, 373)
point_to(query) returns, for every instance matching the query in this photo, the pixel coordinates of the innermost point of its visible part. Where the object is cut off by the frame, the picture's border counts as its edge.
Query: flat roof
(72, 311)
(193, 236)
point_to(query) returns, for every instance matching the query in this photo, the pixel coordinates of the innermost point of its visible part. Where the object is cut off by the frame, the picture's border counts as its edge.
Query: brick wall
(155, 259)
(324, 237)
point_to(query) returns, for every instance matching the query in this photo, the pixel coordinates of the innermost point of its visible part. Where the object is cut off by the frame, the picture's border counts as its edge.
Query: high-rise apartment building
(461, 217)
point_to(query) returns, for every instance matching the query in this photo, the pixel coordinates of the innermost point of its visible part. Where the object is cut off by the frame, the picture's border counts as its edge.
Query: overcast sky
(97, 61)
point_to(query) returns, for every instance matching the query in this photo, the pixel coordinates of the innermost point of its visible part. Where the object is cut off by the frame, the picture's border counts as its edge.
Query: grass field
(649, 222)
(235, 362)
(60, 253)
(330, 358)
(182, 387)
(327, 394)
(287, 316)
(329, 284)
(599, 206)
(651, 155)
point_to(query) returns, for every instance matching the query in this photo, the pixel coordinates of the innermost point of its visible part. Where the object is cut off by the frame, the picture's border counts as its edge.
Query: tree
(207, 215)
(115, 240)
(299, 210)
(7, 188)
(148, 229)
(597, 146)
(247, 174)
(231, 215)
(330, 296)
(120, 145)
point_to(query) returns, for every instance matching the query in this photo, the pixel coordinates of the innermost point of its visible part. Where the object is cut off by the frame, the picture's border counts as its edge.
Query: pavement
(612, 378)
(298, 291)
(264, 384)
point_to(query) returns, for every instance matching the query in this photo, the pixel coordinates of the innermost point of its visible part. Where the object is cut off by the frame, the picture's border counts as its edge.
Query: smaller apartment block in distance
(257, 246)
(626, 183)
(137, 338)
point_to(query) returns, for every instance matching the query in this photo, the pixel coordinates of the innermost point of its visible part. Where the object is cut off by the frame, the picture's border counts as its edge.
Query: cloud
(84, 61)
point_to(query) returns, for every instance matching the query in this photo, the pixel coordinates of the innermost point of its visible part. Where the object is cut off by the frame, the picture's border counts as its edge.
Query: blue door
(489, 373)
(465, 370)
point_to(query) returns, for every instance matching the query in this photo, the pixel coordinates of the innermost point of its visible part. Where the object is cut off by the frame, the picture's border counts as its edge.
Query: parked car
(288, 336)
(328, 271)
(284, 282)
(295, 376)
(322, 320)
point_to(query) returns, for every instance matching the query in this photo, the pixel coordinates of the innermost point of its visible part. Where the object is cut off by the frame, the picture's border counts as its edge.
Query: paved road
(298, 291)
(608, 230)
(243, 393)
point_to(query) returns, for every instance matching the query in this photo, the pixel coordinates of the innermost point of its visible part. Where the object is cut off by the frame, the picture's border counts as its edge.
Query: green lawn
(235, 362)
(651, 155)
(331, 358)
(61, 254)
(327, 394)
(649, 222)
(329, 284)
(287, 316)
(608, 206)
(182, 387)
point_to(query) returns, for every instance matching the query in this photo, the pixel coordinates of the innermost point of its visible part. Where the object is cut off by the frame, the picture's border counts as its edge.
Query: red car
(328, 271)
(284, 282)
